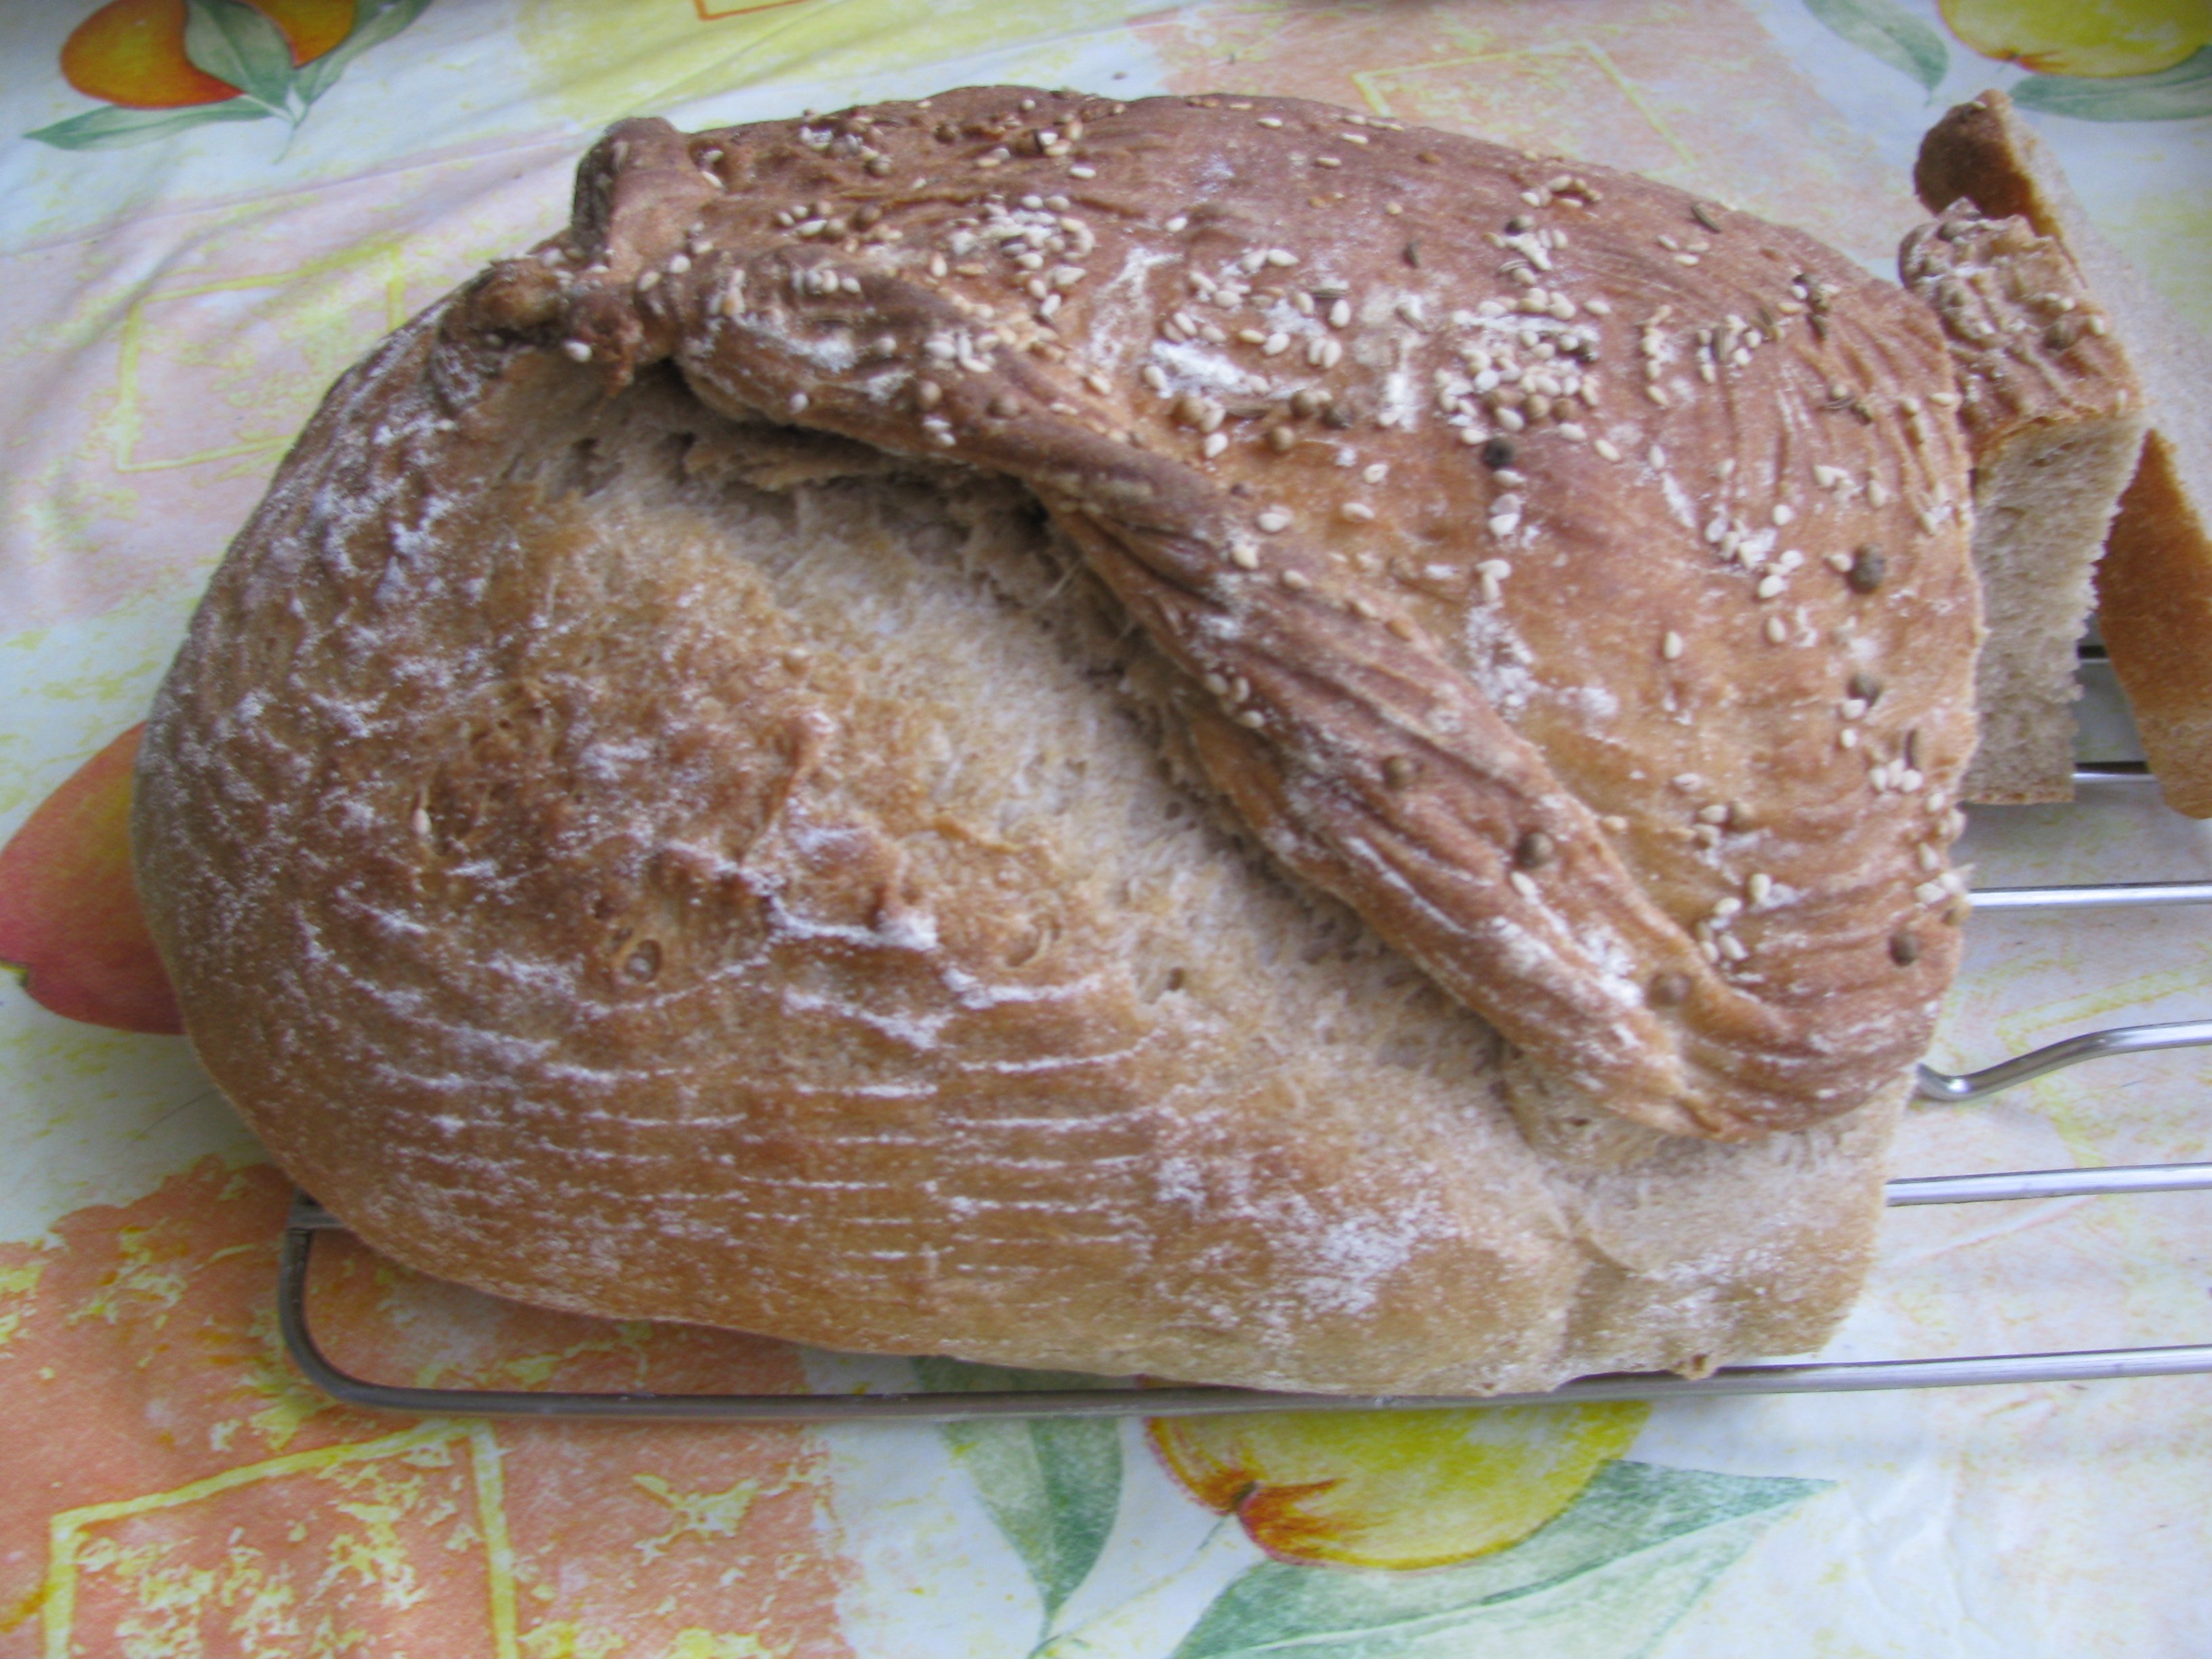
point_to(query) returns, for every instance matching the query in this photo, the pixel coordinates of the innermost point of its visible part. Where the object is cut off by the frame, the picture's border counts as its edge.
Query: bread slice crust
(2155, 580)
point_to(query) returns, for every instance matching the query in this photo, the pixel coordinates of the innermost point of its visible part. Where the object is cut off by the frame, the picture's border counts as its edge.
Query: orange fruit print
(131, 52)
(69, 920)
(172, 1487)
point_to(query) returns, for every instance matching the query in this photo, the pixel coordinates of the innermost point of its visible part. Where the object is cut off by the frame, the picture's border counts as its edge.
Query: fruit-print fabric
(208, 207)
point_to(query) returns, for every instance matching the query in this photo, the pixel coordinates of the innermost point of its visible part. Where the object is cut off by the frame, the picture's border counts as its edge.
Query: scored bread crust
(2155, 580)
(605, 871)
(1369, 638)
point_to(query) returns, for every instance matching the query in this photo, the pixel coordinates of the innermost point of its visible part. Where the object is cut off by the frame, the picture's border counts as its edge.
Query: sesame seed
(1838, 563)
(1376, 472)
(1759, 886)
(928, 393)
(1670, 645)
(1357, 512)
(1326, 161)
(1253, 718)
(1244, 555)
(1274, 345)
(1769, 587)
(1275, 518)
(1214, 444)
(1339, 314)
(1717, 813)
(1270, 121)
(1510, 419)
(1092, 173)
(649, 282)
(1523, 883)
(578, 351)
(1848, 738)
(1777, 630)
(1572, 432)
(678, 265)
(1281, 256)
(1852, 708)
(1216, 685)
(1155, 377)
(1606, 449)
(1783, 513)
(1726, 907)
(1296, 581)
(1280, 438)
(1877, 493)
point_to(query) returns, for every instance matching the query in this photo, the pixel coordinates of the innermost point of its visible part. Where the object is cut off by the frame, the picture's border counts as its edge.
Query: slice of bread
(2154, 584)
(2053, 414)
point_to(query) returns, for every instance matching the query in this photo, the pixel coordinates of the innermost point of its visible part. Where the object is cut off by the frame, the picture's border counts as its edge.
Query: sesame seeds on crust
(1557, 588)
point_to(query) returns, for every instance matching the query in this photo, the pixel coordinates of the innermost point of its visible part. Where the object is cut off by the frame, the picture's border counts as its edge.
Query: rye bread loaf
(2155, 580)
(1045, 730)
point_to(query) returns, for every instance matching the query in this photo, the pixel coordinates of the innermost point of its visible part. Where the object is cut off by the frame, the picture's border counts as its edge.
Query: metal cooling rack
(308, 1218)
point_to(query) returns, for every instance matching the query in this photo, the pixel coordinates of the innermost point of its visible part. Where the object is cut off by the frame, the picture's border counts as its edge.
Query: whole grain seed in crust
(705, 942)
(1814, 1018)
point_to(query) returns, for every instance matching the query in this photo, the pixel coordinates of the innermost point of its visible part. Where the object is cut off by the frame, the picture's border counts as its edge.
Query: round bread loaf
(1205, 737)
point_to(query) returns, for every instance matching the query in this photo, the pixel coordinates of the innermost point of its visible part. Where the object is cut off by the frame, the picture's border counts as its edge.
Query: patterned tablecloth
(211, 207)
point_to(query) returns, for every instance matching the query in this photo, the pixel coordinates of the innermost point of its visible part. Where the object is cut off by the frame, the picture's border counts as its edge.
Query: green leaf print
(2183, 93)
(375, 22)
(233, 42)
(114, 129)
(1604, 1580)
(1892, 34)
(1054, 1485)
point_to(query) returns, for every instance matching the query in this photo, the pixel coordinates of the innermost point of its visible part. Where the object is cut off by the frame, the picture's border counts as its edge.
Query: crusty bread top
(1569, 574)
(2031, 343)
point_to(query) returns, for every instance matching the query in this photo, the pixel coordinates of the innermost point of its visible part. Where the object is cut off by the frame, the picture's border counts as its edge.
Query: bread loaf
(2155, 582)
(1205, 736)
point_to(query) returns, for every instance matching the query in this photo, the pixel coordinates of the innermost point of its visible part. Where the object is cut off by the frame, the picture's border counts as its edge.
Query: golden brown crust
(795, 270)
(2154, 610)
